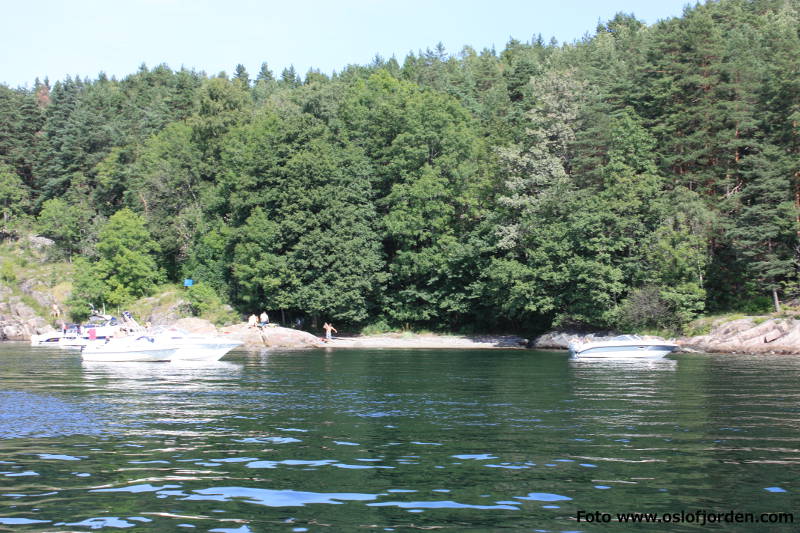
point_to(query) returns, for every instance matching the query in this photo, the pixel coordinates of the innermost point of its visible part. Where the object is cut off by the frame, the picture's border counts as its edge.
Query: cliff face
(29, 286)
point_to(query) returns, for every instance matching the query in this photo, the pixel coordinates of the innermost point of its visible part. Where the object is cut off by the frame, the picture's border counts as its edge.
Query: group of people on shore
(262, 321)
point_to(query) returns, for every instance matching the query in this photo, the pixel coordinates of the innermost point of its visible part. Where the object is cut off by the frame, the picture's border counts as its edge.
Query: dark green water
(394, 440)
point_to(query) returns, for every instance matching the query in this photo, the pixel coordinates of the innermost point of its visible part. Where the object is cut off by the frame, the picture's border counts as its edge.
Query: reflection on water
(188, 372)
(390, 440)
(623, 365)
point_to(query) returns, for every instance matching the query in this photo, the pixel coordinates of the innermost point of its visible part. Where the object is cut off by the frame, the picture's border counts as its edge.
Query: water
(393, 440)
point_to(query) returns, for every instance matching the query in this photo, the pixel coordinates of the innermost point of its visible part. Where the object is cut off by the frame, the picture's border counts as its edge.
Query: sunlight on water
(336, 440)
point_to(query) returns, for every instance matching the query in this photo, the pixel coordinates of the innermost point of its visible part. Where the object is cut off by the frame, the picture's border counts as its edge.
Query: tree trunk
(776, 301)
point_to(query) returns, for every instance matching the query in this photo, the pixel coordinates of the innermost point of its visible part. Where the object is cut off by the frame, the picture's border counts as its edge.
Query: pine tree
(240, 75)
(766, 228)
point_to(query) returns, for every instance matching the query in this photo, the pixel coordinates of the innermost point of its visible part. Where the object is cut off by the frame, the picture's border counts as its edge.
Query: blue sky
(56, 38)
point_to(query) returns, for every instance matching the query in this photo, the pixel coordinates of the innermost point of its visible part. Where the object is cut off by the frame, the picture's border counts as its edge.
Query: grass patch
(698, 328)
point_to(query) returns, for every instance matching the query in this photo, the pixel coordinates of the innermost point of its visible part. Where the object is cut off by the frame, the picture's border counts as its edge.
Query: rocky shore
(748, 335)
(751, 335)
(18, 321)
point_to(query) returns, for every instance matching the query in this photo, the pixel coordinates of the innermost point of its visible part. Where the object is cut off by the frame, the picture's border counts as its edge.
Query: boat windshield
(625, 338)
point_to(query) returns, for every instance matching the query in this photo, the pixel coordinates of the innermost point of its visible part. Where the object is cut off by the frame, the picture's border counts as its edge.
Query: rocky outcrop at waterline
(752, 335)
(18, 321)
(271, 337)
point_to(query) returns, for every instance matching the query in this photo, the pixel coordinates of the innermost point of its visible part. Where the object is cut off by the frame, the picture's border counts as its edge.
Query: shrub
(7, 273)
(376, 328)
(202, 298)
(660, 308)
(203, 301)
(757, 305)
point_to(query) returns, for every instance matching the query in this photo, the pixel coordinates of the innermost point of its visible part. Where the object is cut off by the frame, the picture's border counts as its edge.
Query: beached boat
(141, 348)
(622, 347)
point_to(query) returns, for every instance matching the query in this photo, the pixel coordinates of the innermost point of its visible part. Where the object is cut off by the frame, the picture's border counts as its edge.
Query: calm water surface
(393, 440)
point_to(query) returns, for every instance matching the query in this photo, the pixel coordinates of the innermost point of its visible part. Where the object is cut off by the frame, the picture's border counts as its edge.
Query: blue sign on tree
(188, 282)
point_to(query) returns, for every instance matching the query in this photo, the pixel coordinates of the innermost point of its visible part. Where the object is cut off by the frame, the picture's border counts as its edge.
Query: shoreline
(274, 336)
(428, 341)
(747, 335)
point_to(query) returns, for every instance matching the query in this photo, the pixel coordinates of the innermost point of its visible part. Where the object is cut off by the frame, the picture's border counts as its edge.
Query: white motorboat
(622, 347)
(47, 339)
(141, 348)
(161, 344)
(196, 346)
(98, 328)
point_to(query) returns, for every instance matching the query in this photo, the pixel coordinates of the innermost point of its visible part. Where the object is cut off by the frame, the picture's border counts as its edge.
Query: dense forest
(634, 179)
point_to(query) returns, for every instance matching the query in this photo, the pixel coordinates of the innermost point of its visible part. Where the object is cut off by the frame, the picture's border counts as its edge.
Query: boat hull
(204, 351)
(622, 351)
(155, 355)
(128, 349)
(46, 339)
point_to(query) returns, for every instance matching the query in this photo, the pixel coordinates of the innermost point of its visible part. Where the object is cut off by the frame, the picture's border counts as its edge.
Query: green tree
(241, 76)
(21, 118)
(88, 290)
(424, 152)
(64, 223)
(166, 187)
(14, 196)
(260, 272)
(126, 263)
(766, 232)
(221, 105)
(309, 241)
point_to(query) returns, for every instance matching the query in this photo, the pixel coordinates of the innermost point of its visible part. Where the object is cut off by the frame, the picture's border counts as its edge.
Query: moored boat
(47, 339)
(622, 347)
(98, 328)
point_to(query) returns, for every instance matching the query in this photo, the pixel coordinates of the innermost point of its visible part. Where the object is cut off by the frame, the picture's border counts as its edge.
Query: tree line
(633, 179)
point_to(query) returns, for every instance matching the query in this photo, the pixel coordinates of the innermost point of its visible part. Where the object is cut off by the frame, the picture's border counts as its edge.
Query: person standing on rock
(252, 321)
(264, 318)
(328, 328)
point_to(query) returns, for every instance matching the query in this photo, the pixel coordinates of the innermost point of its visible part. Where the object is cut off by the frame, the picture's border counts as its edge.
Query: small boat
(98, 328)
(47, 339)
(622, 347)
(142, 348)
